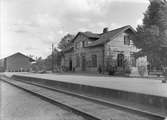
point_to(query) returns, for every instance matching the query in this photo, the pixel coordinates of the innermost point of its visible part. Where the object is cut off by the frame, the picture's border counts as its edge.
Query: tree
(30, 56)
(38, 65)
(48, 62)
(65, 41)
(151, 37)
(57, 55)
(53, 60)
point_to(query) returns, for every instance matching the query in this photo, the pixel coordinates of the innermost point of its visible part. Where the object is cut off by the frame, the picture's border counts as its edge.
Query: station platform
(146, 92)
(137, 85)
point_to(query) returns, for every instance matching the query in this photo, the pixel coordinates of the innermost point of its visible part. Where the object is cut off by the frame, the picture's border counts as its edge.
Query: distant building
(16, 63)
(89, 51)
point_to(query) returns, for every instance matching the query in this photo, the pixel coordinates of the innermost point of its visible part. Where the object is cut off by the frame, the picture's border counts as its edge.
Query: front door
(120, 60)
(83, 63)
(70, 65)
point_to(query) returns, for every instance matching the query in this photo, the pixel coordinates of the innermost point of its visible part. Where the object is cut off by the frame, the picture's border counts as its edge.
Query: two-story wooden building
(89, 51)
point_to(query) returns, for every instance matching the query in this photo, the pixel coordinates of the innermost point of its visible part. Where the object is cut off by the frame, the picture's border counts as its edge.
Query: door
(120, 60)
(70, 65)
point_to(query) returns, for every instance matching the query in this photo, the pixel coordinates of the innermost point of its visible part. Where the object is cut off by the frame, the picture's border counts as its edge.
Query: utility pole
(52, 57)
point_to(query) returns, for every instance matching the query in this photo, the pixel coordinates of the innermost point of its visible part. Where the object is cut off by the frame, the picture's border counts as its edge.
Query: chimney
(105, 30)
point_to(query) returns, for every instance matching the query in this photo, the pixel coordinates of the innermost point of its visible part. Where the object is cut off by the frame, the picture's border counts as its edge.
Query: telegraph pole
(52, 57)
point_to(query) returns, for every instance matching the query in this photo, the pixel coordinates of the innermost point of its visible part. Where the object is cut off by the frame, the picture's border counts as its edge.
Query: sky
(31, 26)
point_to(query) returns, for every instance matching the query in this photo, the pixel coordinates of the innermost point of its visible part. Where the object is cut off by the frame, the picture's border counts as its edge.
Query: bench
(158, 73)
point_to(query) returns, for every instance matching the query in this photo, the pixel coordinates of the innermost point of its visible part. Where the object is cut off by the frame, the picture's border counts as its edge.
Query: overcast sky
(31, 26)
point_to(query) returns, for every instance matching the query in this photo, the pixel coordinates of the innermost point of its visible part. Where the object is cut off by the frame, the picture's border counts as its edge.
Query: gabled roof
(100, 39)
(88, 35)
(18, 53)
(110, 34)
(91, 35)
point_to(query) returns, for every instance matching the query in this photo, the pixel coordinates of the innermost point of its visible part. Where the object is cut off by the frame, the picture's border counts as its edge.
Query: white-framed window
(94, 60)
(83, 43)
(126, 40)
(89, 42)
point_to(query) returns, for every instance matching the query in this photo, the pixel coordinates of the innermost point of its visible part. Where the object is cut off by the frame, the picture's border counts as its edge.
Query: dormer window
(126, 40)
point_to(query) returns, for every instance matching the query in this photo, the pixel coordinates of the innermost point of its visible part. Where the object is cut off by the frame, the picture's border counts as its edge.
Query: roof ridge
(90, 32)
(120, 28)
(16, 54)
(112, 34)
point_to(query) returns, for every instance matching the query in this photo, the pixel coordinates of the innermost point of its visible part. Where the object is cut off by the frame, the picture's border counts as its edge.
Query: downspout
(103, 59)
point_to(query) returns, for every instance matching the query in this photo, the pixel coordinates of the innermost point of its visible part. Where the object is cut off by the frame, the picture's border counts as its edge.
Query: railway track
(17, 104)
(89, 108)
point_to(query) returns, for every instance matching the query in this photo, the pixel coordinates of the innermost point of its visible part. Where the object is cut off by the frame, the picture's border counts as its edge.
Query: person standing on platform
(165, 75)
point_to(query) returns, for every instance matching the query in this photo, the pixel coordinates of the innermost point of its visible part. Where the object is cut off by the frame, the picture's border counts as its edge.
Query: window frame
(126, 40)
(94, 60)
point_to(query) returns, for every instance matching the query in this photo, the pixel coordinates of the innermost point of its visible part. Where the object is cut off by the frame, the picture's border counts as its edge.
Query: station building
(17, 62)
(90, 51)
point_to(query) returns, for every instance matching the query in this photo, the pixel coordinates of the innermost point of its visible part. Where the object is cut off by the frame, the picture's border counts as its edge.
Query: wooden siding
(117, 46)
(18, 62)
(86, 52)
(113, 47)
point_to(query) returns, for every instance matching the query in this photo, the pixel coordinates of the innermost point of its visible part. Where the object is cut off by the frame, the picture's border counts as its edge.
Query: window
(83, 43)
(77, 61)
(94, 61)
(89, 42)
(126, 40)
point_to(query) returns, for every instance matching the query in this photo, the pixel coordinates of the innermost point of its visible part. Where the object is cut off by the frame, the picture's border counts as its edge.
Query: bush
(128, 70)
(111, 70)
(99, 69)
(127, 67)
(141, 70)
(111, 66)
